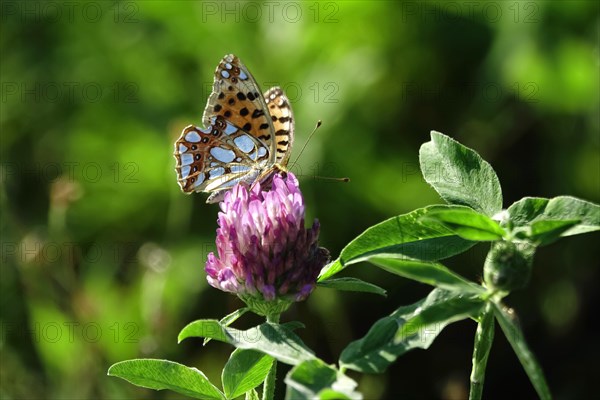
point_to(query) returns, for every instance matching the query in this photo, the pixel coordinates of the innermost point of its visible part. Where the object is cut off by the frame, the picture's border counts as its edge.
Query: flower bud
(508, 265)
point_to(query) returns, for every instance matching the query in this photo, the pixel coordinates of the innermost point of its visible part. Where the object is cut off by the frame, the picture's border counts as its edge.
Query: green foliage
(407, 328)
(545, 220)
(468, 224)
(313, 379)
(163, 374)
(460, 175)
(513, 333)
(229, 319)
(352, 285)
(245, 370)
(102, 256)
(276, 340)
(409, 246)
(406, 235)
(425, 272)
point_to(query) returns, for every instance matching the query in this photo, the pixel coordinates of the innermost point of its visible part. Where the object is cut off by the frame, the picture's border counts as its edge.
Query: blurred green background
(103, 256)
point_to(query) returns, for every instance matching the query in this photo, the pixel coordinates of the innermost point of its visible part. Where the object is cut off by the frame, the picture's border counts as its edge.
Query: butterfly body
(248, 135)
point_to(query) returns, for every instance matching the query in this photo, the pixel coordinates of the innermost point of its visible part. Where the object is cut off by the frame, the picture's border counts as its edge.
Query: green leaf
(531, 210)
(163, 374)
(314, 379)
(275, 340)
(522, 212)
(352, 285)
(484, 337)
(544, 232)
(229, 319)
(433, 274)
(460, 175)
(408, 234)
(245, 370)
(330, 394)
(467, 223)
(293, 325)
(409, 327)
(252, 395)
(513, 333)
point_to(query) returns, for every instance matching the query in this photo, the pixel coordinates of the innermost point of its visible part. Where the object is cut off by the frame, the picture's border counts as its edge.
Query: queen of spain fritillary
(248, 135)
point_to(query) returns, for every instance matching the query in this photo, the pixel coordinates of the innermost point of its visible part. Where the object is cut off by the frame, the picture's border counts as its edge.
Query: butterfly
(248, 135)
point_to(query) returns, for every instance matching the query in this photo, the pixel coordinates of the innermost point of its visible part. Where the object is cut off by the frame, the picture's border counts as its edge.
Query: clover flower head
(264, 253)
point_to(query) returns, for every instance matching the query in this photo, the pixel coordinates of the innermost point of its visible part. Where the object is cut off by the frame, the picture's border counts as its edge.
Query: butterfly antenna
(306, 143)
(330, 178)
(327, 178)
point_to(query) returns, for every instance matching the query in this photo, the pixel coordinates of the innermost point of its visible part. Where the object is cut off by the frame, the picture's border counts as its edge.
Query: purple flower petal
(263, 248)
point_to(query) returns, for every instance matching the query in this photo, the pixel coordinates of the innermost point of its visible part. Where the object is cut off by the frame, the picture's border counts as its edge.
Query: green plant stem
(481, 351)
(269, 385)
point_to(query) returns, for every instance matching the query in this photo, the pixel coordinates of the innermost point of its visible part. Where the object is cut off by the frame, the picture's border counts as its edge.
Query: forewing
(237, 97)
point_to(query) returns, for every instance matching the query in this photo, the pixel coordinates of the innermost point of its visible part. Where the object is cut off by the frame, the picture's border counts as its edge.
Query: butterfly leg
(216, 197)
